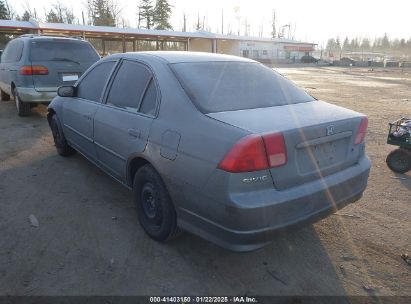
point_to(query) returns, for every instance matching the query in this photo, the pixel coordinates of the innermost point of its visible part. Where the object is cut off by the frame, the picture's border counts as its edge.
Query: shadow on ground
(89, 242)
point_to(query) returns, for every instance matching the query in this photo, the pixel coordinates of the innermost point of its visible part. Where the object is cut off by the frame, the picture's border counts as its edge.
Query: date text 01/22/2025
(205, 299)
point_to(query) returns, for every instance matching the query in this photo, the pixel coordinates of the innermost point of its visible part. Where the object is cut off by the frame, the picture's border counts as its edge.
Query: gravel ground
(88, 241)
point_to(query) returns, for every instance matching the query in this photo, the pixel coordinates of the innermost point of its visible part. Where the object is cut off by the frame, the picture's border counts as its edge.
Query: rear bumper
(254, 219)
(32, 95)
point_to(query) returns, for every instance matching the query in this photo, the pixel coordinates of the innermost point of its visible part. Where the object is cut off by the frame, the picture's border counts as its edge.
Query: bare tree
(11, 13)
(59, 13)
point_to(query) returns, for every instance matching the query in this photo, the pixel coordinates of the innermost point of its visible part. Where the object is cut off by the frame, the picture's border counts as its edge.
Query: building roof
(116, 30)
(15, 27)
(250, 38)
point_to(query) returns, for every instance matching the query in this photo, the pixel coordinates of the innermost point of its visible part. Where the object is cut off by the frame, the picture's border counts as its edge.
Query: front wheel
(60, 141)
(155, 209)
(399, 160)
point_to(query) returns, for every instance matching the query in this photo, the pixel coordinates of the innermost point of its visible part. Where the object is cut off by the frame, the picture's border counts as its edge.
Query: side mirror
(65, 91)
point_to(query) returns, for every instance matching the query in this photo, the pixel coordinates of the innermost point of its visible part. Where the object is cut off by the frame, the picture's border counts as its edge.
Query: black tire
(4, 96)
(23, 108)
(63, 148)
(399, 160)
(155, 209)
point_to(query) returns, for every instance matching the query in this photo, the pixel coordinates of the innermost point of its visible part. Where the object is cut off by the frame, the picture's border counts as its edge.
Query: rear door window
(129, 85)
(92, 85)
(230, 86)
(62, 50)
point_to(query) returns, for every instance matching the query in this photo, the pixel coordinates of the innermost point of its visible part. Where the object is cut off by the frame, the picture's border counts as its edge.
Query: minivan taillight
(362, 130)
(34, 70)
(255, 152)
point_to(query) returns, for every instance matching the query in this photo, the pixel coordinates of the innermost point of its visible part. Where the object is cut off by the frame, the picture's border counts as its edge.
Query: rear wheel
(60, 141)
(155, 209)
(23, 108)
(4, 96)
(399, 160)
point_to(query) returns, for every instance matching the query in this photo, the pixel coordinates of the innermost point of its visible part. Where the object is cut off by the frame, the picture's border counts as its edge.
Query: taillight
(255, 152)
(34, 70)
(362, 130)
(275, 147)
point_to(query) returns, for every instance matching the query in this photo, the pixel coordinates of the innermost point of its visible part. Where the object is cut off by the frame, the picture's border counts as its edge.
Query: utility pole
(82, 15)
(261, 28)
(198, 21)
(222, 21)
(184, 22)
(294, 29)
(139, 18)
(283, 29)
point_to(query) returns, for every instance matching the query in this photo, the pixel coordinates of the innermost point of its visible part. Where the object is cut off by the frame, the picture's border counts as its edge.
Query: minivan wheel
(63, 148)
(155, 209)
(23, 108)
(399, 160)
(4, 96)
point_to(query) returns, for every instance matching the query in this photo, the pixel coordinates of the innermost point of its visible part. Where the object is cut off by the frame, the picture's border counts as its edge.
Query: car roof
(182, 56)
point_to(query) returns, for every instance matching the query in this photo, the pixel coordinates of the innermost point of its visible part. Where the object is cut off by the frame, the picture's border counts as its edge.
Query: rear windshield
(62, 50)
(230, 86)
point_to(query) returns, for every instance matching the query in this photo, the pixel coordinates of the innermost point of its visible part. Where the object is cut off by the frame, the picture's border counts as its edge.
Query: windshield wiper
(64, 59)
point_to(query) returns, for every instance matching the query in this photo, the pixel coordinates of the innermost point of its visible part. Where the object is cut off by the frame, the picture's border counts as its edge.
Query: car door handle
(88, 117)
(134, 133)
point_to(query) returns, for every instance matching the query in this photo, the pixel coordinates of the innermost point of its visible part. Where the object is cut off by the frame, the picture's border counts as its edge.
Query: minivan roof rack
(51, 35)
(29, 35)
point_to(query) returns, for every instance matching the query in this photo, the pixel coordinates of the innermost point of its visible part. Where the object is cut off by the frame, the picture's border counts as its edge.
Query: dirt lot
(89, 242)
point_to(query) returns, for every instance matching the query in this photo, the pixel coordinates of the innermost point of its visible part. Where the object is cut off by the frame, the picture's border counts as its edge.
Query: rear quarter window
(230, 86)
(13, 51)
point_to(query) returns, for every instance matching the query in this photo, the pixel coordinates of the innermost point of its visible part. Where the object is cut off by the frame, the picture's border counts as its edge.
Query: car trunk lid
(319, 138)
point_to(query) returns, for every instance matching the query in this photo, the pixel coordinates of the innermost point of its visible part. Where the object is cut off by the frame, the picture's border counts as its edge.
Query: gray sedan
(220, 146)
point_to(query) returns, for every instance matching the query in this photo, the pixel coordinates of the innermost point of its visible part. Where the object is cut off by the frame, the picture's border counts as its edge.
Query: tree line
(152, 14)
(381, 44)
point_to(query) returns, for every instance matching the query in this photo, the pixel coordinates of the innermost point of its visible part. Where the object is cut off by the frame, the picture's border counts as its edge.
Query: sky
(311, 21)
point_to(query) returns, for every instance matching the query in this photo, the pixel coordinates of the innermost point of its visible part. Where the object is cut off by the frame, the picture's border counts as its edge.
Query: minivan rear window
(62, 50)
(230, 86)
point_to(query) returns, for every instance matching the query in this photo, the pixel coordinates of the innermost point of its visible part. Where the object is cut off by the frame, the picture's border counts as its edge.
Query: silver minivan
(33, 67)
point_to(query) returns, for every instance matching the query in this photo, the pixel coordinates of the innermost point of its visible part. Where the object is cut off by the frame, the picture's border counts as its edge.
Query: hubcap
(150, 204)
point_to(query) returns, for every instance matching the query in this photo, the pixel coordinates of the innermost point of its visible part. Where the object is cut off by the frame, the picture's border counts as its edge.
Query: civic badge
(330, 130)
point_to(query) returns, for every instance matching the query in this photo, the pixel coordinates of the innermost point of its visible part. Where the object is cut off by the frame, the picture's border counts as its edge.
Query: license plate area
(69, 77)
(320, 156)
